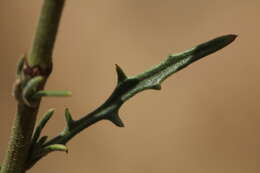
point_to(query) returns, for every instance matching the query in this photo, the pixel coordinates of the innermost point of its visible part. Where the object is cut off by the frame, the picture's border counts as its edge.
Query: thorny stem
(39, 63)
(126, 88)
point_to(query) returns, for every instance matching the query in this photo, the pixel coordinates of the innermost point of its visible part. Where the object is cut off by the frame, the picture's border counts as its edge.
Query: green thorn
(41, 125)
(156, 87)
(114, 118)
(121, 76)
(68, 118)
(48, 93)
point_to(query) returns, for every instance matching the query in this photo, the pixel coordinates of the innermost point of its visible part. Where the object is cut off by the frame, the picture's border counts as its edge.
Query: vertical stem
(45, 36)
(20, 140)
(39, 63)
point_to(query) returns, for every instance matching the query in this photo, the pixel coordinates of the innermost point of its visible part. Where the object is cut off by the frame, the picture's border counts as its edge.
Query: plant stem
(39, 63)
(127, 87)
(20, 140)
(44, 40)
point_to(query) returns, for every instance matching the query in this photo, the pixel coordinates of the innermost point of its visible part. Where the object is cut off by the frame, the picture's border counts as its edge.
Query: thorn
(156, 87)
(121, 76)
(68, 118)
(114, 118)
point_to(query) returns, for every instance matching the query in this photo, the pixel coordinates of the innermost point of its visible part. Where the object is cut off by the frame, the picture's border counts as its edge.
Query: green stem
(39, 63)
(20, 140)
(44, 40)
(127, 87)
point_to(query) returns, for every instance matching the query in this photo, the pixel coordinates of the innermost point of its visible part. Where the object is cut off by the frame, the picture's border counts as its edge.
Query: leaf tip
(51, 111)
(56, 147)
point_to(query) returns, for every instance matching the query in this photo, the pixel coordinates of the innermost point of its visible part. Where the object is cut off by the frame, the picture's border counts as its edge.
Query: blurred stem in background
(38, 63)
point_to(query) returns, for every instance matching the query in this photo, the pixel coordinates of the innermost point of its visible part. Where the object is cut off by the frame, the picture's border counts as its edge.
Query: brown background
(206, 118)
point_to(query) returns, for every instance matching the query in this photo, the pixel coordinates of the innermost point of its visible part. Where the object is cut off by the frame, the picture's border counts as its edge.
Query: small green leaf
(30, 89)
(55, 147)
(41, 152)
(48, 93)
(69, 120)
(41, 125)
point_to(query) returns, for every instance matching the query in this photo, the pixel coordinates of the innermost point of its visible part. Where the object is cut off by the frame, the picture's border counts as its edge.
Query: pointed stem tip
(232, 36)
(212, 46)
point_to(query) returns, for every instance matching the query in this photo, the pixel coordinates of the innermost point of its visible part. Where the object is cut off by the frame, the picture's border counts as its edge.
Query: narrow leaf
(41, 125)
(30, 89)
(55, 147)
(48, 93)
(41, 152)
(68, 118)
(42, 140)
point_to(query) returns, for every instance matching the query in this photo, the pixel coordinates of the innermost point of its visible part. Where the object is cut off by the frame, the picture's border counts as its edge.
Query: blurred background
(204, 120)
